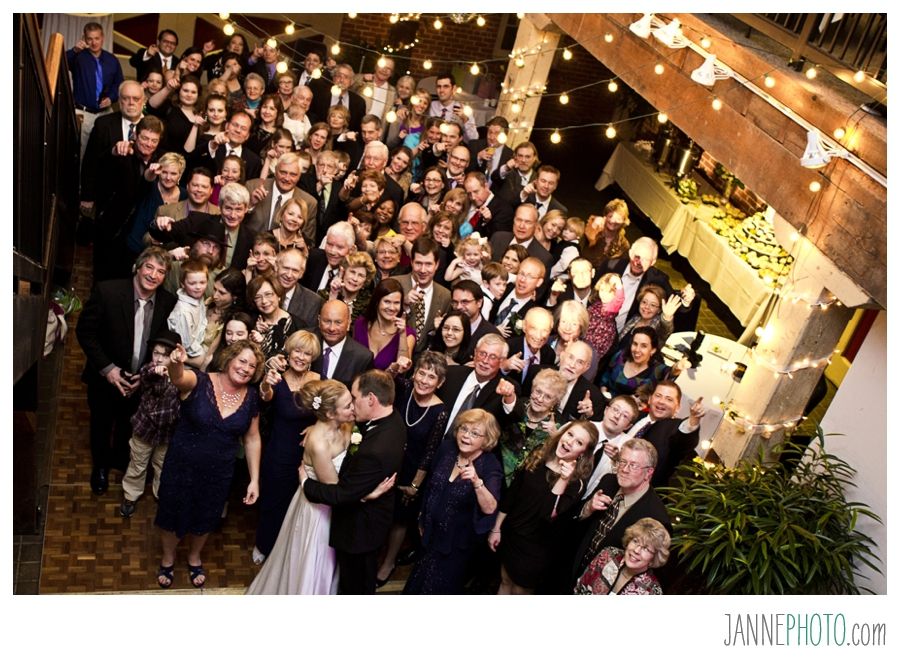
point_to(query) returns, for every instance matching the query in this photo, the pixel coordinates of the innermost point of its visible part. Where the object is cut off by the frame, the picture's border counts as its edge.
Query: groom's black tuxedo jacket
(356, 526)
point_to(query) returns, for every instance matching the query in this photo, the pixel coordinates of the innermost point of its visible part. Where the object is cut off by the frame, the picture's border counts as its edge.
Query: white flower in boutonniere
(519, 325)
(355, 440)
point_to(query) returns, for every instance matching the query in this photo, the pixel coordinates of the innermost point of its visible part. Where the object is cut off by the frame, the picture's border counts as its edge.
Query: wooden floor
(88, 547)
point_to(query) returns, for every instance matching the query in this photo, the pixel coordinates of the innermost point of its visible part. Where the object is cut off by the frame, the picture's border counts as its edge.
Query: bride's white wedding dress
(302, 561)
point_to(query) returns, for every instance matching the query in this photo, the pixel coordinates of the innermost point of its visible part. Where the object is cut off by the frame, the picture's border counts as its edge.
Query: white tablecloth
(685, 230)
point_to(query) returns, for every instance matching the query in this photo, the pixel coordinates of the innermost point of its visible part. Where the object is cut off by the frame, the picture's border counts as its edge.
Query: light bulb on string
(608, 37)
(716, 104)
(515, 108)
(438, 24)
(502, 138)
(390, 117)
(706, 43)
(271, 43)
(520, 15)
(336, 49)
(555, 137)
(426, 65)
(224, 15)
(839, 133)
(523, 124)
(316, 74)
(564, 98)
(382, 62)
(567, 54)
(228, 29)
(289, 29)
(394, 18)
(769, 81)
(811, 72)
(859, 76)
(351, 15)
(610, 131)
(520, 61)
(367, 91)
(474, 69)
(662, 117)
(480, 21)
(659, 69)
(815, 186)
(612, 86)
(281, 67)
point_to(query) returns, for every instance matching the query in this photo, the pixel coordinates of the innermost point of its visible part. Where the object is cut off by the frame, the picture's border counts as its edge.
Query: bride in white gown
(302, 561)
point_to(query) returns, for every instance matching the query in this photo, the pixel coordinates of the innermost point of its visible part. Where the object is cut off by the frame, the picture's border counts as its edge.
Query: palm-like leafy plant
(769, 529)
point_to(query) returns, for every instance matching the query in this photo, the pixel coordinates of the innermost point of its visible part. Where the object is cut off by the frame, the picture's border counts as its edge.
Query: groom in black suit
(359, 529)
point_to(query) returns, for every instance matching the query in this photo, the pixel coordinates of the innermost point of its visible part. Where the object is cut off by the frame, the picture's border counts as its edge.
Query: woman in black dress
(547, 487)
(181, 116)
(426, 419)
(460, 504)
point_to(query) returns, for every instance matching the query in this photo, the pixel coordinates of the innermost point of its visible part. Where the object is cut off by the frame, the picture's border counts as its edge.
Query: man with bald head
(457, 164)
(525, 223)
(582, 399)
(342, 358)
(530, 350)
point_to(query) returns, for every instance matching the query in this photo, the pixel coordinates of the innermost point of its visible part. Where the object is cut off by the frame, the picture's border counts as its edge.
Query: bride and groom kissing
(360, 516)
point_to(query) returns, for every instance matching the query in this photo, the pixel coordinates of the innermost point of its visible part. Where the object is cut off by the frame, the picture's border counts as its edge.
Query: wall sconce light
(709, 72)
(817, 153)
(671, 34)
(642, 26)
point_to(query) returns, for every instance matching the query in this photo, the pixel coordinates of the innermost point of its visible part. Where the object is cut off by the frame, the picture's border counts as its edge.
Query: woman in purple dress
(382, 328)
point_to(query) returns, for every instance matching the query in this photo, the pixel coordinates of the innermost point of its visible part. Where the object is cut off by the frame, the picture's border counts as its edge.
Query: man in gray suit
(423, 297)
(268, 195)
(298, 301)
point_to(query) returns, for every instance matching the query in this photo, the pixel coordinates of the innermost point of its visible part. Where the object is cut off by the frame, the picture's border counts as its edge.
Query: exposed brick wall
(454, 44)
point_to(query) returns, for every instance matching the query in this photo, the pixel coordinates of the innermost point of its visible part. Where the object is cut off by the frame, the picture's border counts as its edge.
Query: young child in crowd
(232, 172)
(494, 282)
(472, 254)
(601, 331)
(188, 318)
(153, 423)
(571, 240)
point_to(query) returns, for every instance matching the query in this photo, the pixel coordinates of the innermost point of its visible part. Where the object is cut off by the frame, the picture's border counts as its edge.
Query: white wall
(858, 415)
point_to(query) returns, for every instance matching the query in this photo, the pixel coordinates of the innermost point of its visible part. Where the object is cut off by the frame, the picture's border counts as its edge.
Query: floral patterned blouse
(601, 574)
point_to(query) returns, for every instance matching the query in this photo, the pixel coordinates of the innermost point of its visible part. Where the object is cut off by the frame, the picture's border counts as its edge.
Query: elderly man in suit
(582, 399)
(513, 307)
(268, 195)
(342, 357)
(298, 301)
(231, 141)
(114, 329)
(620, 500)
(540, 192)
(488, 155)
(488, 213)
(324, 99)
(324, 264)
(674, 438)
(511, 177)
(530, 351)
(107, 131)
(524, 225)
(482, 386)
(424, 299)
(157, 57)
(383, 92)
(358, 528)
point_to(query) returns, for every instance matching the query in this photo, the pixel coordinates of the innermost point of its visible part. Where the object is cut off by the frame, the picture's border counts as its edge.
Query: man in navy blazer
(106, 332)
(360, 527)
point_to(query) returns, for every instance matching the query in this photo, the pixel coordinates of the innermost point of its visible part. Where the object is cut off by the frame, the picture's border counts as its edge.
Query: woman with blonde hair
(289, 221)
(302, 561)
(456, 204)
(459, 504)
(353, 285)
(604, 236)
(544, 491)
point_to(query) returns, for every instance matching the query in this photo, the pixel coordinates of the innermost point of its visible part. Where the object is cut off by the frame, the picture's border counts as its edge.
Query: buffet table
(685, 229)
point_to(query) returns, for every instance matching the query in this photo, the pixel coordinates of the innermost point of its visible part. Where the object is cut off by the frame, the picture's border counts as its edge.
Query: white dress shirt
(334, 357)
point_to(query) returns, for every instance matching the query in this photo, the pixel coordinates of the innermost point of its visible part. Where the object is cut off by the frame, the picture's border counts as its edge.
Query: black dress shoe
(99, 480)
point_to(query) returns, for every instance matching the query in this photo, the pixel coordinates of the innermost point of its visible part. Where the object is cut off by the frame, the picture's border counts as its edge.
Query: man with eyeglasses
(674, 438)
(482, 386)
(513, 307)
(619, 501)
(467, 297)
(156, 57)
(617, 419)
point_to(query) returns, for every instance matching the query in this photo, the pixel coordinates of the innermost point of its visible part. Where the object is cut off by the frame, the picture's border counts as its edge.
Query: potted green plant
(767, 528)
(728, 180)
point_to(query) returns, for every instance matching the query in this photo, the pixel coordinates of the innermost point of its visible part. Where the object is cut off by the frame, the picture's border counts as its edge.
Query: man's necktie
(276, 204)
(528, 364)
(326, 358)
(470, 400)
(332, 273)
(606, 523)
(419, 317)
(98, 80)
(644, 430)
(131, 127)
(503, 313)
(138, 336)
